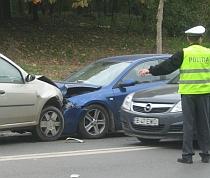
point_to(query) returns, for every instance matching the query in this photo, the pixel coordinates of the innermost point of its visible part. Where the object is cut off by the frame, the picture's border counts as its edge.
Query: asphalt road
(116, 156)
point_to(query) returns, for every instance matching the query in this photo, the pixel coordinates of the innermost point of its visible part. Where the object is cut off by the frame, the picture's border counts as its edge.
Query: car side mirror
(127, 83)
(30, 78)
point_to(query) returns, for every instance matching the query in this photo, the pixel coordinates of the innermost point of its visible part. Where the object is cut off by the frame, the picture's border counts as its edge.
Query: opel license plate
(146, 121)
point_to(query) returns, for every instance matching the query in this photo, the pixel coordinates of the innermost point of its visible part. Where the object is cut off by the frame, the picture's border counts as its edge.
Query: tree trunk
(159, 26)
(35, 12)
(5, 12)
(20, 7)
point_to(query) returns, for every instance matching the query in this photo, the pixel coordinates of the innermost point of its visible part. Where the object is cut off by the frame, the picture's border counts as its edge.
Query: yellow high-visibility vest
(195, 71)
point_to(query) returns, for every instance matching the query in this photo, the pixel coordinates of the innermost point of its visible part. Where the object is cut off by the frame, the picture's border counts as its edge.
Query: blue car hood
(72, 89)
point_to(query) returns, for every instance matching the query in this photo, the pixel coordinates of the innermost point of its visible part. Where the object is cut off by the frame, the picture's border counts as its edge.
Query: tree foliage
(80, 3)
(52, 1)
(178, 15)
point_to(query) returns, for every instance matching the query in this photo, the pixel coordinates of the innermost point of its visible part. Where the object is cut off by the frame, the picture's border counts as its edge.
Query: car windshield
(100, 73)
(174, 80)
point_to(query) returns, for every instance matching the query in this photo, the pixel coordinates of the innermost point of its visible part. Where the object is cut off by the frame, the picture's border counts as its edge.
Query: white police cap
(198, 30)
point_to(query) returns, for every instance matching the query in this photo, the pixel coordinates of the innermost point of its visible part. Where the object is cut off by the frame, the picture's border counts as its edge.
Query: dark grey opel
(153, 114)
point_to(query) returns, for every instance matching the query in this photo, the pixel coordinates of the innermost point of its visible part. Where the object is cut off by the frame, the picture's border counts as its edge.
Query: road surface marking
(73, 153)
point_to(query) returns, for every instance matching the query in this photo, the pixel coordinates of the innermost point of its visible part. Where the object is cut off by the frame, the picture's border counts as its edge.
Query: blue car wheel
(95, 122)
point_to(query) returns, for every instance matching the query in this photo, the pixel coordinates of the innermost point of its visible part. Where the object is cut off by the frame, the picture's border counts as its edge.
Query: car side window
(8, 73)
(134, 73)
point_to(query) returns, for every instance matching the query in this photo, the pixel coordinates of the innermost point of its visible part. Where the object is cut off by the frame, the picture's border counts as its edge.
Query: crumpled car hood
(72, 89)
(45, 79)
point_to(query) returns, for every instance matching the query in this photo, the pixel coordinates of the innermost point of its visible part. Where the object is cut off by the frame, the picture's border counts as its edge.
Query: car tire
(95, 122)
(51, 124)
(148, 141)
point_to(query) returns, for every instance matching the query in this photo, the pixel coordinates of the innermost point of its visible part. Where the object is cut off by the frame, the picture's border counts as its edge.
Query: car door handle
(2, 92)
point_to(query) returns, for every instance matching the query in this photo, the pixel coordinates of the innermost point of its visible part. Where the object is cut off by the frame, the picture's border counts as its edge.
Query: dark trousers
(196, 111)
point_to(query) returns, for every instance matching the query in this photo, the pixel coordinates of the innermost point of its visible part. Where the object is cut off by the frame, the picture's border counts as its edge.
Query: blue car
(95, 93)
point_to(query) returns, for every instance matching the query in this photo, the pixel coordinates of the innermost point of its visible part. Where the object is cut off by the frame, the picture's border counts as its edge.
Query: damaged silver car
(29, 103)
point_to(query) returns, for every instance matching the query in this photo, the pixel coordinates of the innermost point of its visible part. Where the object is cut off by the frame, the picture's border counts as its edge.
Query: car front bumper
(72, 118)
(170, 125)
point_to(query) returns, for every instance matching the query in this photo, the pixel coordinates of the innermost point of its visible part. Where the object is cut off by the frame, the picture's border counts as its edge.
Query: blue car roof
(132, 58)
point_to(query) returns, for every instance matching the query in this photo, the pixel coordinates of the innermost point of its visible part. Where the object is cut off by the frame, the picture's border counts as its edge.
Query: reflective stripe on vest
(195, 71)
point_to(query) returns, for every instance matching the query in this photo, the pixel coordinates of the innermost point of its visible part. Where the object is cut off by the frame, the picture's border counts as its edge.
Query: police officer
(194, 87)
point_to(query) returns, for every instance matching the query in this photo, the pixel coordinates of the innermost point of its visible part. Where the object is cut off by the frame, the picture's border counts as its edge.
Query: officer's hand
(143, 72)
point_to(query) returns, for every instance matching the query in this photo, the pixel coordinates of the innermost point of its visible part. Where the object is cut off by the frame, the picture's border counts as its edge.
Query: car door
(17, 98)
(143, 82)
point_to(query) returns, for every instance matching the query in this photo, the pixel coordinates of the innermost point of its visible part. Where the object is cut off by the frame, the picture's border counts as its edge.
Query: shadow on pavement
(169, 144)
(13, 138)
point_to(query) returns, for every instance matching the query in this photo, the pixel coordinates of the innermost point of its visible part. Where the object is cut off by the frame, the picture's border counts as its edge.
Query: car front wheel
(51, 124)
(95, 122)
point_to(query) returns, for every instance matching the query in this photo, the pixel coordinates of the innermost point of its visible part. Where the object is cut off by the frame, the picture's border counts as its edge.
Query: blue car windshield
(174, 80)
(100, 73)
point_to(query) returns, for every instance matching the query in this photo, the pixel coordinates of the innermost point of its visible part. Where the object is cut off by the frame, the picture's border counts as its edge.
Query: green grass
(55, 50)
